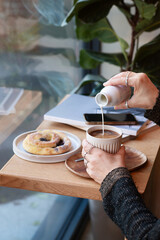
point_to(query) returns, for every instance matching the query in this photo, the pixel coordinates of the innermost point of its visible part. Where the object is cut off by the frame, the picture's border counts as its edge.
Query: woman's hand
(99, 162)
(145, 92)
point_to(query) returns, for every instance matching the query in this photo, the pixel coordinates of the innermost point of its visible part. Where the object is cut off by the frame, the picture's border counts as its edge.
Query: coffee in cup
(108, 140)
(106, 134)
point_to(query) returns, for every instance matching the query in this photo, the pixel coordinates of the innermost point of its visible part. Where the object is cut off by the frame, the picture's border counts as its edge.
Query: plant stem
(132, 46)
(133, 24)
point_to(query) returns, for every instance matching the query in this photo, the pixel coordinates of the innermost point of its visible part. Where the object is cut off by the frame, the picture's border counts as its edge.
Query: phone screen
(118, 118)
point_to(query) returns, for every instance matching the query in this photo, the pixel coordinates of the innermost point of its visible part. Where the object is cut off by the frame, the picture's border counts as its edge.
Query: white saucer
(20, 152)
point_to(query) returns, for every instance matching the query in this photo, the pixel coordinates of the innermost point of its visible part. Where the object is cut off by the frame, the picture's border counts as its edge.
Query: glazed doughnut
(47, 142)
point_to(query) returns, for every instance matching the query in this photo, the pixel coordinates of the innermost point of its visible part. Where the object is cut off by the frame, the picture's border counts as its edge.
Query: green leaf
(151, 1)
(124, 45)
(125, 12)
(148, 49)
(90, 59)
(147, 11)
(96, 10)
(88, 79)
(96, 89)
(147, 60)
(95, 78)
(89, 11)
(152, 72)
(87, 62)
(102, 30)
(146, 25)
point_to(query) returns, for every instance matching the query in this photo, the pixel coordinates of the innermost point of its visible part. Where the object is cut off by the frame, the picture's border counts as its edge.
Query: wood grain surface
(56, 178)
(77, 168)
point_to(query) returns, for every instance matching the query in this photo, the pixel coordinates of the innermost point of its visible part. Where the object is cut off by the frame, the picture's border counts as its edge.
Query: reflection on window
(35, 54)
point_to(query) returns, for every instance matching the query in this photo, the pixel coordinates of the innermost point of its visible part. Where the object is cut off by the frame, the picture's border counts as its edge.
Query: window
(41, 58)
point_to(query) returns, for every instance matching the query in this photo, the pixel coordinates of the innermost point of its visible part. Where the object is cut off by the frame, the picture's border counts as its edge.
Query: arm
(121, 200)
(126, 208)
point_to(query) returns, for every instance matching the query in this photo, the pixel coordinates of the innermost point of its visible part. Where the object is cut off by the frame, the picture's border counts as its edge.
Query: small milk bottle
(113, 95)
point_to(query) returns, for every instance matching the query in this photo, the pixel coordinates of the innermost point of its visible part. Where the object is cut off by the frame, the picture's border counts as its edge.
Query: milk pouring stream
(111, 96)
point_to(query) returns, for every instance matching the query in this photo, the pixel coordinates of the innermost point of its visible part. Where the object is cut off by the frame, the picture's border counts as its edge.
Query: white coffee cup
(111, 144)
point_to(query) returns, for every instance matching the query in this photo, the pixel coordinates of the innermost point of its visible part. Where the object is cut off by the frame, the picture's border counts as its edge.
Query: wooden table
(57, 179)
(26, 104)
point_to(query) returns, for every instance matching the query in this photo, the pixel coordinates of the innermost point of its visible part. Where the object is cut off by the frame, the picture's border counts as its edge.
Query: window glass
(40, 59)
(36, 53)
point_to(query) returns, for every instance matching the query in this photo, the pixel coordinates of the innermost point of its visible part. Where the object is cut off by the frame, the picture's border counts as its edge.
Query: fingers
(121, 150)
(124, 106)
(86, 145)
(121, 106)
(120, 157)
(120, 79)
(87, 148)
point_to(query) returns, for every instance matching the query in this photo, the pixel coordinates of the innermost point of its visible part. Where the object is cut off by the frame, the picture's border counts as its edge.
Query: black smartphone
(115, 119)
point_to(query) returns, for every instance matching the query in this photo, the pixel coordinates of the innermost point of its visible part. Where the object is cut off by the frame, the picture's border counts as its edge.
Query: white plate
(20, 152)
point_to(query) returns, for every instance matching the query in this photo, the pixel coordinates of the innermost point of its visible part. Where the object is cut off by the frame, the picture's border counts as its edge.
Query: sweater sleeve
(124, 205)
(154, 114)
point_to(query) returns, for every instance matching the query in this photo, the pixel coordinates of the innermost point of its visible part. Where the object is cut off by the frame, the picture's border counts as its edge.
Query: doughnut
(47, 142)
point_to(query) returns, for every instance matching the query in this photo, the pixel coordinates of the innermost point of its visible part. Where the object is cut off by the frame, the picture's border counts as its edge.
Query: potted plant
(91, 18)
